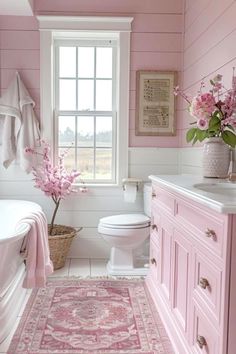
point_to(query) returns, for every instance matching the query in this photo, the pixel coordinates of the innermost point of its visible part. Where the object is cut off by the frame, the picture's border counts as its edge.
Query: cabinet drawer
(154, 258)
(205, 338)
(207, 284)
(162, 198)
(207, 226)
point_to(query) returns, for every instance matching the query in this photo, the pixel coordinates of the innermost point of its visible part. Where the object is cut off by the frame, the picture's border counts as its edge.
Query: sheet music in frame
(155, 103)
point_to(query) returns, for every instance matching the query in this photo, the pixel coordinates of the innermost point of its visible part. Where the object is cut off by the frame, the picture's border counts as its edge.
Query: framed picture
(155, 103)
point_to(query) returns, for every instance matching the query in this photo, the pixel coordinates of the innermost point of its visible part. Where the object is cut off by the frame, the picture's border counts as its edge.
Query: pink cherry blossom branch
(54, 180)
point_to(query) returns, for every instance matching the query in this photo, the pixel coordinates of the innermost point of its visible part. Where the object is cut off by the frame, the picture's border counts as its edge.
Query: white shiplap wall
(190, 160)
(86, 209)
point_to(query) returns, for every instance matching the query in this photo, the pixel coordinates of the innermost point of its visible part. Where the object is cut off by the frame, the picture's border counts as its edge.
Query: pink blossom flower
(215, 111)
(54, 180)
(217, 87)
(229, 121)
(178, 92)
(202, 106)
(229, 104)
(202, 124)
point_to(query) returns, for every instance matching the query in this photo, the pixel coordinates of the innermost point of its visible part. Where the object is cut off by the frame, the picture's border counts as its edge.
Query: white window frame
(52, 27)
(98, 42)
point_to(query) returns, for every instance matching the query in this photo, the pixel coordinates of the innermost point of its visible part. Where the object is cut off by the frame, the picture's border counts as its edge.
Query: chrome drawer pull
(201, 341)
(154, 195)
(204, 283)
(210, 233)
(153, 261)
(154, 227)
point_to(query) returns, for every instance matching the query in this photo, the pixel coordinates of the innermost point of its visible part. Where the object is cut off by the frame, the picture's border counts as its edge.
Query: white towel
(20, 127)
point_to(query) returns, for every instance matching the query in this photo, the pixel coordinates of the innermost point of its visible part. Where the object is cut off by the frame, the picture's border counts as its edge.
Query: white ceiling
(16, 7)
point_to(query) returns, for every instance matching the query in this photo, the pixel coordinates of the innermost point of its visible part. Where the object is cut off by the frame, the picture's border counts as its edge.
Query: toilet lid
(126, 220)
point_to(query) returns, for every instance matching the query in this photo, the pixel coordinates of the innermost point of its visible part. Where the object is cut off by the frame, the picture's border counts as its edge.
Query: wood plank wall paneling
(209, 48)
(86, 209)
(108, 6)
(19, 50)
(156, 43)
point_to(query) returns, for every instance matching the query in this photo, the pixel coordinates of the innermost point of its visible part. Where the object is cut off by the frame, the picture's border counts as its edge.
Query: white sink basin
(222, 188)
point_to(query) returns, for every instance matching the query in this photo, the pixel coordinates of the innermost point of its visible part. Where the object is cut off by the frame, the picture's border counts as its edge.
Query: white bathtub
(12, 267)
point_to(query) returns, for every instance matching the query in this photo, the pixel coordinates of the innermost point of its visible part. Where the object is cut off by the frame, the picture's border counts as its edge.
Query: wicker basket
(59, 244)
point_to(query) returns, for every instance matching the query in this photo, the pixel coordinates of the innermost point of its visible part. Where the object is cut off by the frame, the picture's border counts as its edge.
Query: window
(85, 106)
(84, 74)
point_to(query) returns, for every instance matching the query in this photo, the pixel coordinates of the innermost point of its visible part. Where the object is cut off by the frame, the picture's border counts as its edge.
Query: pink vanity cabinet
(192, 275)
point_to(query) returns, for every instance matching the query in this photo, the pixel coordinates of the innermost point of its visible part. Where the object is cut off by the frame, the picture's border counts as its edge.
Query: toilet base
(121, 263)
(126, 272)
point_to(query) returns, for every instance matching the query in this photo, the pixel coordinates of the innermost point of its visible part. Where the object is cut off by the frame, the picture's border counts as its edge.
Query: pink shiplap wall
(155, 44)
(209, 46)
(19, 50)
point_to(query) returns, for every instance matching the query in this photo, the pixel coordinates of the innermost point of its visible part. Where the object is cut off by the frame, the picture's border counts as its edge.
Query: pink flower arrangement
(53, 180)
(214, 111)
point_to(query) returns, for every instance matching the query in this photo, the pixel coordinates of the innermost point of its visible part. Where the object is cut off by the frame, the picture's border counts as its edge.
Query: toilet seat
(125, 221)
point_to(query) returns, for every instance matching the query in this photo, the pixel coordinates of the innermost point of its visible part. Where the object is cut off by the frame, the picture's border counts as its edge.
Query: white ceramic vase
(216, 158)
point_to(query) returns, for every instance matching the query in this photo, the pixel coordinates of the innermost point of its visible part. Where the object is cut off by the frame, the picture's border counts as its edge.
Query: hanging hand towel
(9, 108)
(20, 127)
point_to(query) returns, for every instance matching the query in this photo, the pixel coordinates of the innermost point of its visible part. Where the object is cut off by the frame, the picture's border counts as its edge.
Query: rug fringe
(102, 277)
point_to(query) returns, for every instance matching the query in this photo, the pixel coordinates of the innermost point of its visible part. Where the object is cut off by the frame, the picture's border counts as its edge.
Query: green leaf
(201, 134)
(214, 122)
(195, 139)
(212, 82)
(229, 138)
(190, 134)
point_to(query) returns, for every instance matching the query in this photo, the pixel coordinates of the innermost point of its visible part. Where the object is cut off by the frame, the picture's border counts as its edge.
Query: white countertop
(222, 199)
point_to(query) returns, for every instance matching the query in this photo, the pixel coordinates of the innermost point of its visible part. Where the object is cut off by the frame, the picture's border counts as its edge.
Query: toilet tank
(147, 198)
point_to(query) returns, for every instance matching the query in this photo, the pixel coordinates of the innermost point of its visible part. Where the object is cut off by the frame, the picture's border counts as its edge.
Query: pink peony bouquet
(53, 180)
(214, 112)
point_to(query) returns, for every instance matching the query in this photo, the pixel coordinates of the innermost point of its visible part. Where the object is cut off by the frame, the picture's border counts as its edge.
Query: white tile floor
(73, 267)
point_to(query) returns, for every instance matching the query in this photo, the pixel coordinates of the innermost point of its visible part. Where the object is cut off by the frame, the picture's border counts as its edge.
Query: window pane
(85, 163)
(67, 97)
(103, 163)
(69, 160)
(67, 62)
(104, 95)
(85, 95)
(86, 62)
(104, 131)
(85, 131)
(104, 63)
(66, 128)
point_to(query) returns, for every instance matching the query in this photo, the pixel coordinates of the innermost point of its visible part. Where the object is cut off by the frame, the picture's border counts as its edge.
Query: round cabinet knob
(153, 261)
(201, 341)
(210, 233)
(204, 283)
(154, 227)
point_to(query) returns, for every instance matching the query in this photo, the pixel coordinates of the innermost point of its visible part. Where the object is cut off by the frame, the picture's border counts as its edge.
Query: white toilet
(125, 233)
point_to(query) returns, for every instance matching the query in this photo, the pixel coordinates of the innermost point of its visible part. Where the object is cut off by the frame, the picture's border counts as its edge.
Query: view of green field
(85, 162)
(86, 145)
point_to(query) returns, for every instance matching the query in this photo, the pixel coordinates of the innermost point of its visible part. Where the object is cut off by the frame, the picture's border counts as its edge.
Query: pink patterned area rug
(72, 316)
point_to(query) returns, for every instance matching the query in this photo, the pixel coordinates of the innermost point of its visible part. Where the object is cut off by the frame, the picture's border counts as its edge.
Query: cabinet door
(181, 278)
(154, 259)
(164, 276)
(205, 339)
